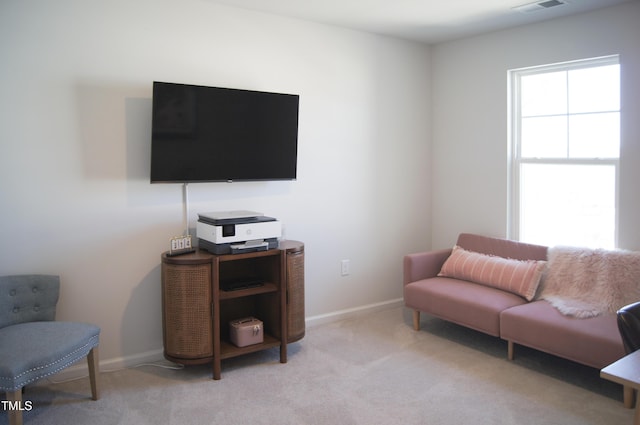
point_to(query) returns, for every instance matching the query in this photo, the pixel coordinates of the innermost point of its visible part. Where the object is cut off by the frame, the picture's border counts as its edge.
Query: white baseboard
(352, 312)
(80, 369)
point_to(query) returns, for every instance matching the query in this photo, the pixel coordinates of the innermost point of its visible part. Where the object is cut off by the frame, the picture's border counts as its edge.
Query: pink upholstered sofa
(514, 315)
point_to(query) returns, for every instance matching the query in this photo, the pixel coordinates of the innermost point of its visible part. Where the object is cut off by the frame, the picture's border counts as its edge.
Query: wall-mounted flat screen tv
(213, 134)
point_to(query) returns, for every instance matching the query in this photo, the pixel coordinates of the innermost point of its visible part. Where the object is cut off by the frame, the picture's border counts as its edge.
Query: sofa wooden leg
(416, 320)
(15, 415)
(510, 350)
(94, 372)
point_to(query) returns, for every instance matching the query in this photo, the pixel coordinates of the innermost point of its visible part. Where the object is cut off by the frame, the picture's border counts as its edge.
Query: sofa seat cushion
(594, 342)
(31, 351)
(462, 302)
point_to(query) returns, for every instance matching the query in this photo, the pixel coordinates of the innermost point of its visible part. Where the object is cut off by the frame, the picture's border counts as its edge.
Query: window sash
(515, 151)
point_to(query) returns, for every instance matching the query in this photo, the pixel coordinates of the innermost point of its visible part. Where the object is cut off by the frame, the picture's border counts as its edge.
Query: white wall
(75, 115)
(469, 80)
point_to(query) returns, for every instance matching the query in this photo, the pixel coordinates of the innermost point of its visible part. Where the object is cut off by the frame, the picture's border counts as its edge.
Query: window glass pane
(594, 135)
(544, 137)
(567, 204)
(544, 94)
(594, 89)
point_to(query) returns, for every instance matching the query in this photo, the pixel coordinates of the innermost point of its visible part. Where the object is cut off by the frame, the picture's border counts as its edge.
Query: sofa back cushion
(501, 247)
(520, 277)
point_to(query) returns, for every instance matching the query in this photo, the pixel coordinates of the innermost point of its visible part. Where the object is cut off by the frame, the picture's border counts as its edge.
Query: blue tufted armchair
(32, 344)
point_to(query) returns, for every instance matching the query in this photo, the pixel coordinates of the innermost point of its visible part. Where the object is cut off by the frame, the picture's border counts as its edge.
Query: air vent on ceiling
(539, 5)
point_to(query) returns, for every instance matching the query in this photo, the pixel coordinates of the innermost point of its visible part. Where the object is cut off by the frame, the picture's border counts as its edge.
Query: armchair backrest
(28, 298)
(628, 318)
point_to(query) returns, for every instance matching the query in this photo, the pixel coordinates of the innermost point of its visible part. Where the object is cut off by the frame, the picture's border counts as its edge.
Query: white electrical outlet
(345, 267)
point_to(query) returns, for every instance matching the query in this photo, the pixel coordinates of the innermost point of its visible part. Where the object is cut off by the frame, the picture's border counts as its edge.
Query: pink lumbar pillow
(516, 276)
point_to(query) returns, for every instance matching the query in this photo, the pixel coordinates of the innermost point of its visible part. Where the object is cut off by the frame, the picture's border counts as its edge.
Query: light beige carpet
(372, 369)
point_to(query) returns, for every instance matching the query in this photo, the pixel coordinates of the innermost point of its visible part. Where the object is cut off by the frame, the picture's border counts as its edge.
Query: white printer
(232, 232)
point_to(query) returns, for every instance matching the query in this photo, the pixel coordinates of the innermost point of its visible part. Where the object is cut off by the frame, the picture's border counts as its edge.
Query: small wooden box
(246, 331)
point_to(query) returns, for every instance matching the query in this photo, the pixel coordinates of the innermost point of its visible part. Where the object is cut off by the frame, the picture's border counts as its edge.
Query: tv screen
(212, 134)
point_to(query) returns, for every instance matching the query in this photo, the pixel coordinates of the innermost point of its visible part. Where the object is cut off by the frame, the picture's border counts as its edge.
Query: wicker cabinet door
(186, 300)
(295, 295)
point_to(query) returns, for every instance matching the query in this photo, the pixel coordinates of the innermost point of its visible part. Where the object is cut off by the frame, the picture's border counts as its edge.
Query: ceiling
(428, 21)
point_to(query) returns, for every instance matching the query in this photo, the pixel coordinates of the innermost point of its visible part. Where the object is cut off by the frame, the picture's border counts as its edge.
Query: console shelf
(197, 311)
(228, 350)
(266, 288)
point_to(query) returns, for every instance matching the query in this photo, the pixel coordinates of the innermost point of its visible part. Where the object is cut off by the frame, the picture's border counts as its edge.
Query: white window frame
(514, 136)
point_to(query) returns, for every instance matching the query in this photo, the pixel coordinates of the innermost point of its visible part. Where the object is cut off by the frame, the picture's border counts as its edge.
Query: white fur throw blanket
(585, 283)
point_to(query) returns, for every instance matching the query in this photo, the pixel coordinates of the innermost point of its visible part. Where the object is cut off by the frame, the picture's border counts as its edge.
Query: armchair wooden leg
(94, 372)
(416, 320)
(15, 415)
